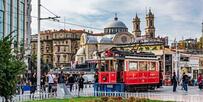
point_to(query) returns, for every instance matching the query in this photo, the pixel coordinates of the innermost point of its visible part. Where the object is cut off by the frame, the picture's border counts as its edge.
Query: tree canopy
(10, 69)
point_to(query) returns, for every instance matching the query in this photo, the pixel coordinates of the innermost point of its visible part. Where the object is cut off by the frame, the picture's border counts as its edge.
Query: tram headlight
(104, 78)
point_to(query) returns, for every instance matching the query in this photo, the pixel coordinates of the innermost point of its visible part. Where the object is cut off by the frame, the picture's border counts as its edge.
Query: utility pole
(38, 42)
(38, 49)
(202, 37)
(176, 59)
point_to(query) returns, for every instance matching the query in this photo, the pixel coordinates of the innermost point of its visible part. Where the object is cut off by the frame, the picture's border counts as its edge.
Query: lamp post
(38, 49)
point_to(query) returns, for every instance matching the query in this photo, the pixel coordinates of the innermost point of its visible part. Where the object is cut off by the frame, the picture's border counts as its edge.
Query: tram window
(111, 66)
(143, 65)
(132, 65)
(153, 66)
(104, 67)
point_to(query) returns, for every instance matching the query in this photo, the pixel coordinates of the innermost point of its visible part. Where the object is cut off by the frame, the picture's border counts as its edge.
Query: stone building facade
(116, 33)
(58, 47)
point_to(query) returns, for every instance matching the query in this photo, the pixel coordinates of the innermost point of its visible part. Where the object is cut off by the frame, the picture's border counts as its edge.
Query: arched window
(151, 34)
(151, 22)
(137, 26)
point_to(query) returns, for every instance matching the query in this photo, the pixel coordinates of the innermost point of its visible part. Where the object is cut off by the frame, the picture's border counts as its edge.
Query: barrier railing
(90, 92)
(30, 97)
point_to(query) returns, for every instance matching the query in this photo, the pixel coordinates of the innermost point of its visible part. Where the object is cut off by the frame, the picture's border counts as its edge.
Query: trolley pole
(38, 49)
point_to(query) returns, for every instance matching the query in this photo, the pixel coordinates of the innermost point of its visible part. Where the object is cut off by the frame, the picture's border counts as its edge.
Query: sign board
(194, 62)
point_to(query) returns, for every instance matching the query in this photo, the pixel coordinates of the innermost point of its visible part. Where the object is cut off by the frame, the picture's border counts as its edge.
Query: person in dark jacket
(174, 81)
(61, 78)
(185, 82)
(71, 81)
(81, 82)
(33, 81)
(43, 82)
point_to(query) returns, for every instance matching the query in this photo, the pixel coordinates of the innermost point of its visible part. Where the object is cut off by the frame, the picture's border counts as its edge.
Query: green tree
(10, 69)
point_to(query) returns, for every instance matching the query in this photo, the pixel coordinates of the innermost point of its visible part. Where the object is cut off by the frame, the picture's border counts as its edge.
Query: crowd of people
(50, 80)
(184, 82)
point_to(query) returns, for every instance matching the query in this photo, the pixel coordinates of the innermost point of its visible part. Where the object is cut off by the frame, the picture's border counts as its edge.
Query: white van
(89, 78)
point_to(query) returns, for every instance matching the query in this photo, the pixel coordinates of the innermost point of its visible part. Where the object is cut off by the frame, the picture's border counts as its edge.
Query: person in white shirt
(51, 78)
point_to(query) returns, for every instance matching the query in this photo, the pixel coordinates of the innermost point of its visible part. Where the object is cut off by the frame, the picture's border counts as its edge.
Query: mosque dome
(106, 40)
(115, 26)
(91, 39)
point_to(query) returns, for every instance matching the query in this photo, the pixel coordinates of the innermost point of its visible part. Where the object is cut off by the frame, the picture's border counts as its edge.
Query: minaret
(136, 26)
(150, 29)
(115, 18)
(202, 28)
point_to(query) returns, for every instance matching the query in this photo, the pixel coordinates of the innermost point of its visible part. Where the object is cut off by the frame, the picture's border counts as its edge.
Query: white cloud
(172, 17)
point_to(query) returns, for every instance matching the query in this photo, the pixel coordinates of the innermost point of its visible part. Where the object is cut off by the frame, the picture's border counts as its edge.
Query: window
(58, 48)
(58, 58)
(151, 23)
(137, 26)
(64, 49)
(64, 58)
(182, 58)
(111, 66)
(143, 65)
(132, 65)
(104, 66)
(81, 59)
(153, 66)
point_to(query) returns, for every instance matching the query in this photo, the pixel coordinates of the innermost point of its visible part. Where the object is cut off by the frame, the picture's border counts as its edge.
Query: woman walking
(200, 81)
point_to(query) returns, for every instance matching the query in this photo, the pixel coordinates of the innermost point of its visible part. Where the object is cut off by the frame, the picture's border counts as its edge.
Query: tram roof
(123, 57)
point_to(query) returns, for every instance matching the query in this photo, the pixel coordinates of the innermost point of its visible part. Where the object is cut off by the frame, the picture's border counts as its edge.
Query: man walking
(33, 81)
(71, 81)
(61, 78)
(81, 83)
(185, 82)
(174, 81)
(51, 78)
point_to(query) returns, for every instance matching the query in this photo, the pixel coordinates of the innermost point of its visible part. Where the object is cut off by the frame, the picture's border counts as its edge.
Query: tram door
(120, 68)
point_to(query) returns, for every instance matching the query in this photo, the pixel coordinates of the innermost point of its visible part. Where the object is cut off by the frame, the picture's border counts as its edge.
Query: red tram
(121, 71)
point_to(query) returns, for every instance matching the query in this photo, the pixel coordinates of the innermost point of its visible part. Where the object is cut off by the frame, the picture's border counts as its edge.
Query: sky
(178, 19)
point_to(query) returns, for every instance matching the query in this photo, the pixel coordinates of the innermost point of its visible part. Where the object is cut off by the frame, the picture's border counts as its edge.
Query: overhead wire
(49, 10)
(68, 23)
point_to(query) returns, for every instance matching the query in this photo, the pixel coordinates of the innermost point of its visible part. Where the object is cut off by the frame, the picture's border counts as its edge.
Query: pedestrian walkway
(166, 93)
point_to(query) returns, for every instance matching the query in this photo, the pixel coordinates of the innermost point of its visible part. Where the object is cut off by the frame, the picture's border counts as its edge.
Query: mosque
(115, 33)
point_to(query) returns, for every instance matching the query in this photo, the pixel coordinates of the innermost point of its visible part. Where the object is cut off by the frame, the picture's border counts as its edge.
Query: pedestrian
(61, 78)
(51, 78)
(81, 83)
(185, 82)
(71, 81)
(54, 87)
(43, 82)
(174, 81)
(161, 79)
(33, 81)
(200, 81)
